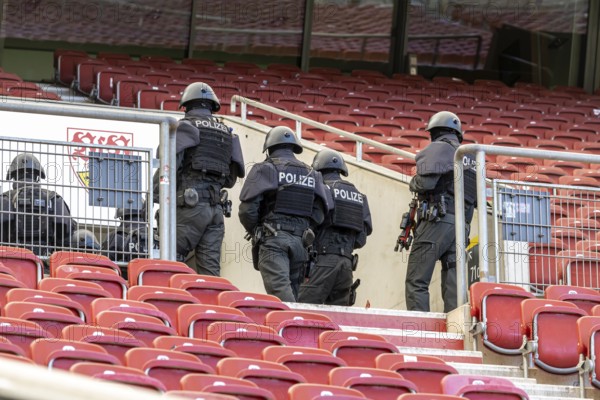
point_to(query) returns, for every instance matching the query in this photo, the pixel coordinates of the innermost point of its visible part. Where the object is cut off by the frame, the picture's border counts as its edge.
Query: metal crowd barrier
(531, 245)
(76, 196)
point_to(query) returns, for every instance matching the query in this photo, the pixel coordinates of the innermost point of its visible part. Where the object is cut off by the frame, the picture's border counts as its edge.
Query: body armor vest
(348, 206)
(212, 155)
(296, 188)
(34, 208)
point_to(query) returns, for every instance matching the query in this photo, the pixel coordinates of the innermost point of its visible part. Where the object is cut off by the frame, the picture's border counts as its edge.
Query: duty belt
(294, 230)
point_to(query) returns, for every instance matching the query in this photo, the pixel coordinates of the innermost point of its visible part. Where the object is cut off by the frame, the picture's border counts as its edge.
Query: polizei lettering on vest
(203, 123)
(348, 195)
(302, 180)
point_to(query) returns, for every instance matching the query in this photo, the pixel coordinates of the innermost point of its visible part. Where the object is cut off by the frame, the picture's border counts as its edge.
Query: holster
(187, 198)
(256, 241)
(354, 262)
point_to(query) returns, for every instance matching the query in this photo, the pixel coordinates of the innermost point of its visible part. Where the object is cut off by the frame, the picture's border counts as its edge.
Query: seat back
(143, 327)
(239, 388)
(300, 328)
(208, 352)
(312, 363)
(117, 373)
(253, 305)
(107, 278)
(356, 349)
(482, 387)
(142, 271)
(22, 332)
(62, 354)
(25, 266)
(46, 297)
(205, 288)
(193, 319)
(247, 340)
(164, 298)
(374, 383)
(588, 332)
(59, 258)
(314, 391)
(82, 292)
(132, 306)
(51, 318)
(584, 298)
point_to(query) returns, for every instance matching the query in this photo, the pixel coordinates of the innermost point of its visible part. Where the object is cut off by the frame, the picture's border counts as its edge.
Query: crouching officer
(38, 219)
(129, 240)
(209, 159)
(282, 198)
(435, 237)
(345, 228)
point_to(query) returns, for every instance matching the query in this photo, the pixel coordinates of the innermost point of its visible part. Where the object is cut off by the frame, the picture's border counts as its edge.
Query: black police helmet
(27, 162)
(445, 120)
(330, 159)
(200, 91)
(281, 135)
(130, 213)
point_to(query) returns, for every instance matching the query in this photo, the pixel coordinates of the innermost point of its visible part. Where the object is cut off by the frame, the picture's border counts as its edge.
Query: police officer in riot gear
(281, 200)
(129, 240)
(435, 237)
(84, 240)
(38, 219)
(209, 159)
(345, 228)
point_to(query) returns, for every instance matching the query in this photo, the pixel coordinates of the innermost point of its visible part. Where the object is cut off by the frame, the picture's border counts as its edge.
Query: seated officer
(129, 240)
(39, 219)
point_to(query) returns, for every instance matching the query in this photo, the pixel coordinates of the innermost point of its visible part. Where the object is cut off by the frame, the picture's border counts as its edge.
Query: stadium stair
(436, 334)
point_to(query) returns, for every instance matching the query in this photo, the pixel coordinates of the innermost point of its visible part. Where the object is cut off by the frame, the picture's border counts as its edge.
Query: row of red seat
(558, 325)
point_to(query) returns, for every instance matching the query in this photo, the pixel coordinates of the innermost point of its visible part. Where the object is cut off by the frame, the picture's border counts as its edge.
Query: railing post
(459, 229)
(482, 218)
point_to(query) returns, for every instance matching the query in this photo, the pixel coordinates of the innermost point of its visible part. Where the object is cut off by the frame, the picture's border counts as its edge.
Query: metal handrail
(244, 101)
(166, 150)
(480, 152)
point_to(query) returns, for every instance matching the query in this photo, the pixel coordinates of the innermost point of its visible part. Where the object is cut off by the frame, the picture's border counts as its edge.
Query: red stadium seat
(579, 268)
(45, 297)
(543, 265)
(126, 90)
(254, 305)
(238, 388)
(22, 333)
(272, 376)
(584, 298)
(588, 332)
(247, 340)
(195, 395)
(108, 279)
(313, 364)
(425, 372)
(427, 396)
(130, 306)
(62, 354)
(552, 325)
(7, 347)
(59, 258)
(167, 366)
(323, 392)
(208, 352)
(143, 271)
(25, 266)
(205, 288)
(117, 373)
(143, 327)
(376, 384)
(482, 387)
(193, 319)
(356, 349)
(80, 291)
(50, 317)
(164, 298)
(496, 310)
(8, 283)
(300, 328)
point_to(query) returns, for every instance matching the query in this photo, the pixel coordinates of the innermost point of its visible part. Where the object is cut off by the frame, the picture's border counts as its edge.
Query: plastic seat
(521, 163)
(313, 364)
(51, 318)
(208, 352)
(376, 384)
(313, 391)
(543, 265)
(106, 79)
(482, 387)
(246, 340)
(584, 298)
(130, 306)
(425, 372)
(143, 327)
(205, 288)
(26, 267)
(149, 98)
(588, 332)
(579, 268)
(567, 166)
(165, 299)
(117, 373)
(114, 341)
(62, 354)
(194, 395)
(428, 396)
(82, 292)
(86, 73)
(66, 65)
(238, 388)
(167, 366)
(193, 319)
(108, 279)
(59, 258)
(8, 347)
(45, 297)
(8, 283)
(551, 324)
(300, 328)
(142, 271)
(14, 357)
(274, 377)
(356, 349)
(22, 332)
(253, 305)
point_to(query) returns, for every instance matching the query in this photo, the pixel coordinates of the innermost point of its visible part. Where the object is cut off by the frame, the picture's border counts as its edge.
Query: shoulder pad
(186, 136)
(261, 178)
(237, 157)
(437, 158)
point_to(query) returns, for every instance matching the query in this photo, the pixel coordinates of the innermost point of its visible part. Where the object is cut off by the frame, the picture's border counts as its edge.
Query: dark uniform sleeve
(236, 167)
(156, 177)
(63, 222)
(261, 178)
(323, 201)
(434, 161)
(423, 183)
(361, 239)
(249, 213)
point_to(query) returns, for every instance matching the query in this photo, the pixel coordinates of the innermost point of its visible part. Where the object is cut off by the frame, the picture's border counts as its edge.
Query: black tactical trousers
(329, 281)
(433, 241)
(201, 228)
(281, 260)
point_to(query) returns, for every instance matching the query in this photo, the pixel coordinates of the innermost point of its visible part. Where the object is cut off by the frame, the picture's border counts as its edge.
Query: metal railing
(166, 150)
(487, 250)
(360, 141)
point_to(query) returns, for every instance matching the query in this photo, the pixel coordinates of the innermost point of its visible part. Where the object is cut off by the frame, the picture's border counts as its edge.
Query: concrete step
(379, 318)
(411, 338)
(491, 370)
(458, 356)
(552, 391)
